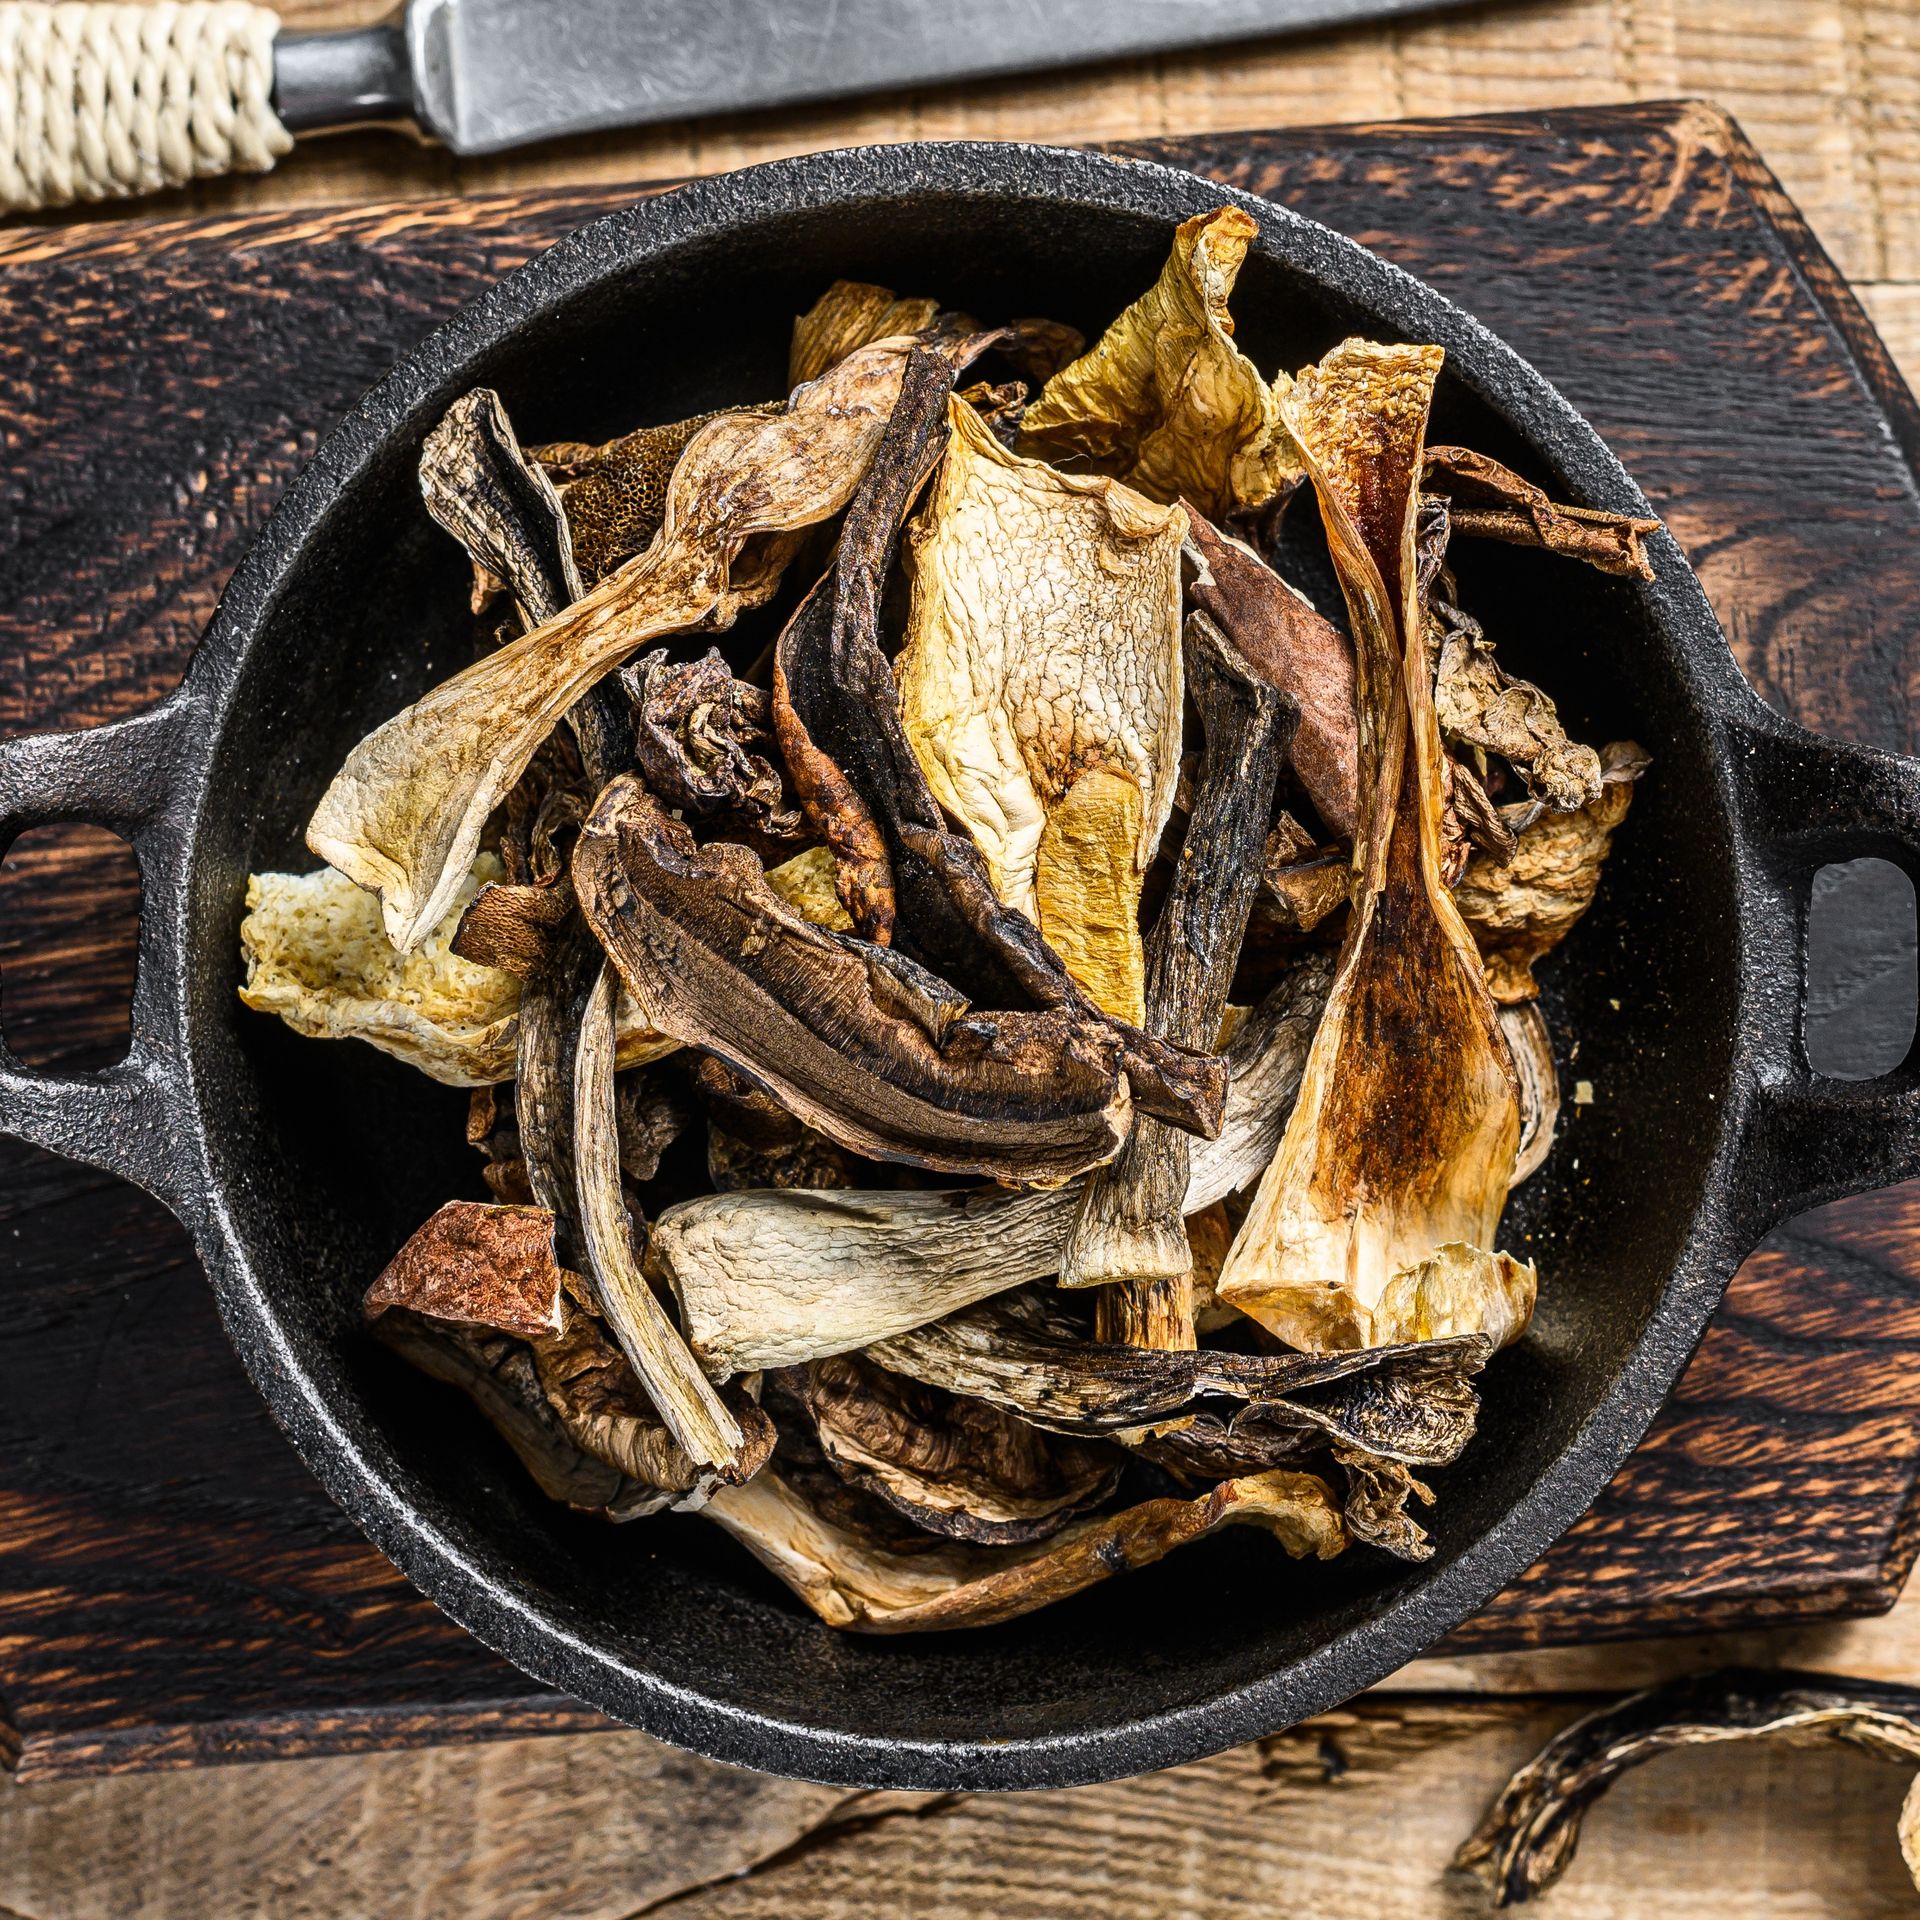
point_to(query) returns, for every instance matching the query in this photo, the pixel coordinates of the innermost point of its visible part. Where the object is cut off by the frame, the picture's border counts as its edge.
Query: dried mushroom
(861, 1043)
(1164, 399)
(1376, 1220)
(867, 1589)
(1018, 1185)
(1522, 907)
(1040, 685)
(405, 813)
(954, 1465)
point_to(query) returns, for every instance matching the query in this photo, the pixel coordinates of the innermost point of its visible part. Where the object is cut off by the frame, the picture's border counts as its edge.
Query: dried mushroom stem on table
(1015, 1065)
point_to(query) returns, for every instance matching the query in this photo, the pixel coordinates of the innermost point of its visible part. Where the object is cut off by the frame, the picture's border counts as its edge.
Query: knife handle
(101, 102)
(323, 82)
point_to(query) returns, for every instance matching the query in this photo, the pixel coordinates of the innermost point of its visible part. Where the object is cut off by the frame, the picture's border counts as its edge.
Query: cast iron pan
(299, 1167)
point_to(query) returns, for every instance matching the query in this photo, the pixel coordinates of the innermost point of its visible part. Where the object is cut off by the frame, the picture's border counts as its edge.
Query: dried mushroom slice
(851, 314)
(1303, 654)
(860, 1043)
(706, 1429)
(315, 955)
(1376, 1220)
(1521, 908)
(1492, 502)
(900, 866)
(614, 496)
(773, 1279)
(1164, 399)
(850, 1583)
(1040, 685)
(952, 1465)
(1478, 705)
(480, 1265)
(1023, 1355)
(1531, 1048)
(405, 813)
(1130, 1230)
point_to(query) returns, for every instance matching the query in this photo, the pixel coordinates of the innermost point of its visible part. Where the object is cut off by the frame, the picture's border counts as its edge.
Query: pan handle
(132, 1119)
(1812, 801)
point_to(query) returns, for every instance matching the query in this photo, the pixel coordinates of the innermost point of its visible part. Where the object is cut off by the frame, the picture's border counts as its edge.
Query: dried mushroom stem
(1526, 1839)
(850, 1583)
(1492, 502)
(695, 1415)
(1131, 1230)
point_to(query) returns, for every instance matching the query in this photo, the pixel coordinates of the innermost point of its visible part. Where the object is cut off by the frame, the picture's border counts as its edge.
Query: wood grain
(173, 1587)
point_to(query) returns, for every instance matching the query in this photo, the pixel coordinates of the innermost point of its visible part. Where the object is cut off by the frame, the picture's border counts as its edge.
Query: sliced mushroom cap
(486, 1266)
(860, 1043)
(1378, 1214)
(1040, 684)
(1164, 399)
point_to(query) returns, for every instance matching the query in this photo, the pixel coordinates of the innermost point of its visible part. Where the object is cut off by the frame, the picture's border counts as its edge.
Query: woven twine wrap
(99, 102)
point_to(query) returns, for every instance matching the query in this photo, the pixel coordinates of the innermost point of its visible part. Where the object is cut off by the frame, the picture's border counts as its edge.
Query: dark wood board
(173, 1587)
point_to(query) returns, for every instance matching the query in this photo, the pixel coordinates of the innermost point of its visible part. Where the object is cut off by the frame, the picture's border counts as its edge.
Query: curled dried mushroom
(1085, 990)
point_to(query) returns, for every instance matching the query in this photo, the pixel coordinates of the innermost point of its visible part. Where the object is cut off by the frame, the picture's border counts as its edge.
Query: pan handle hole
(69, 931)
(1862, 987)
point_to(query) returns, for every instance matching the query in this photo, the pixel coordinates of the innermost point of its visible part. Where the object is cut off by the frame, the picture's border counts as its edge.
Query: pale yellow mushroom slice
(1040, 685)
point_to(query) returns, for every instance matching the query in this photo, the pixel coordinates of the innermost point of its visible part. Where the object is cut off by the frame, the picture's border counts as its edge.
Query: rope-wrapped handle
(100, 102)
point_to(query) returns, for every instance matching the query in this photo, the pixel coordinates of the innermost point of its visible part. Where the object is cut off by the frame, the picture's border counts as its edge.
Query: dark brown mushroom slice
(494, 1133)
(502, 508)
(1299, 651)
(1025, 1355)
(850, 1583)
(1525, 1841)
(753, 1142)
(951, 1465)
(615, 494)
(907, 876)
(481, 1265)
(861, 1043)
(651, 1114)
(1492, 502)
(704, 741)
(497, 1373)
(1130, 1238)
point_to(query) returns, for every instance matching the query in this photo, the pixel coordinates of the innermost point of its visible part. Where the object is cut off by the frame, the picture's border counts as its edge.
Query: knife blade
(484, 75)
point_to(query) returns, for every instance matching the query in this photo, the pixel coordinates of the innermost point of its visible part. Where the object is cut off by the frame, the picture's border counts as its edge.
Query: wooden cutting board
(173, 1586)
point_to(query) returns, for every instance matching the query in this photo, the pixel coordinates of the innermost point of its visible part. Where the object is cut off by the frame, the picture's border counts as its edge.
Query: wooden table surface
(1356, 1812)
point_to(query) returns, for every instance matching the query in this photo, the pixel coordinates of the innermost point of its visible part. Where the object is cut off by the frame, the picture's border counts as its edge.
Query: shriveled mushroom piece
(1022, 1354)
(1164, 399)
(405, 813)
(481, 1265)
(953, 1465)
(1130, 1237)
(1376, 1220)
(1040, 684)
(858, 1042)
(851, 1583)
(900, 866)
(1492, 502)
(705, 1428)
(772, 1279)
(1300, 651)
(849, 315)
(1530, 1047)
(1521, 908)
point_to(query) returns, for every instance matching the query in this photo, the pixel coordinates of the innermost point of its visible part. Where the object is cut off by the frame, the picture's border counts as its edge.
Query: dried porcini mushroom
(1300, 651)
(1525, 1841)
(850, 1583)
(704, 741)
(859, 1042)
(973, 775)
(1164, 399)
(1375, 1221)
(1478, 705)
(1131, 1236)
(1492, 502)
(772, 1279)
(405, 813)
(1521, 908)
(1040, 686)
(316, 956)
(954, 1465)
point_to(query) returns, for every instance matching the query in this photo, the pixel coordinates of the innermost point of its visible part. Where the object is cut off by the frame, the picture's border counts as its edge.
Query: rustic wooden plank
(172, 1587)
